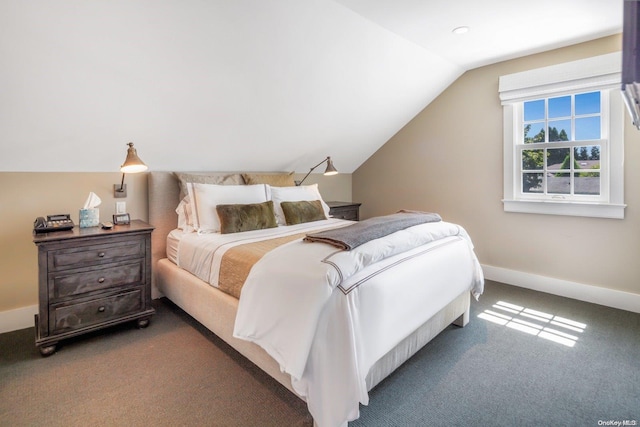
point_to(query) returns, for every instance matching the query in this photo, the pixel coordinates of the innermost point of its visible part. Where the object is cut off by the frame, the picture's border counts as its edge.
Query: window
(558, 150)
(563, 142)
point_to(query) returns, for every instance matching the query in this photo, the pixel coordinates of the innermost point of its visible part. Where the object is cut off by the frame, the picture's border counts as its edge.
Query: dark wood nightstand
(345, 210)
(90, 278)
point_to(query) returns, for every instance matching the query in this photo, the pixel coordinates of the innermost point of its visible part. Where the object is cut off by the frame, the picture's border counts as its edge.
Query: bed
(361, 331)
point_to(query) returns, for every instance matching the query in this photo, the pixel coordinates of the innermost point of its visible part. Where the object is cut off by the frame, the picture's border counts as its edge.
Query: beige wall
(449, 160)
(335, 187)
(26, 195)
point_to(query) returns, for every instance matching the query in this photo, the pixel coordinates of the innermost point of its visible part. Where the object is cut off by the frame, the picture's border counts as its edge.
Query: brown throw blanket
(352, 236)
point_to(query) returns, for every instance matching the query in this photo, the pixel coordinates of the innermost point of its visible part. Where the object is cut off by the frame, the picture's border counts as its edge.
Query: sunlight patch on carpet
(533, 322)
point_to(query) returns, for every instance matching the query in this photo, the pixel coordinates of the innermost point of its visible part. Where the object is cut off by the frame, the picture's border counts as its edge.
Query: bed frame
(217, 310)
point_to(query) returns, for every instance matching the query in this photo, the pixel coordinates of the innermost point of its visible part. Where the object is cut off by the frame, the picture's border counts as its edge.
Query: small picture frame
(121, 219)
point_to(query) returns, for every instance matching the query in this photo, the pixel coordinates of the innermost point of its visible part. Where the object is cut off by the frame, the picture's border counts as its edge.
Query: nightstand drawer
(348, 214)
(87, 280)
(84, 314)
(344, 210)
(80, 256)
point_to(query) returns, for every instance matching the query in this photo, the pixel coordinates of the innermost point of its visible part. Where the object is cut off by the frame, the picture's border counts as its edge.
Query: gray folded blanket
(352, 236)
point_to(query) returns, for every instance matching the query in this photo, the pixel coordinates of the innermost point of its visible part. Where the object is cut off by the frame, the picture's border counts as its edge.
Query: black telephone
(59, 222)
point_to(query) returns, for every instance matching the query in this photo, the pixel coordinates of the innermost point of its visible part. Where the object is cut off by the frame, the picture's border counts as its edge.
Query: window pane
(558, 158)
(559, 130)
(588, 103)
(560, 107)
(534, 110)
(532, 183)
(559, 183)
(587, 157)
(534, 132)
(587, 183)
(532, 159)
(587, 128)
(586, 153)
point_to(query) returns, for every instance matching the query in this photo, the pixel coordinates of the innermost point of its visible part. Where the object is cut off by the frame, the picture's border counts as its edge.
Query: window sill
(594, 210)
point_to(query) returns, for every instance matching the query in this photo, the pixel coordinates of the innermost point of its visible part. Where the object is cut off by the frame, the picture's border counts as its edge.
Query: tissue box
(89, 217)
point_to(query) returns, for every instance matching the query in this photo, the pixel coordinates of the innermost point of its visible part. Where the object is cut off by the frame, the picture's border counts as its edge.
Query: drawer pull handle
(101, 255)
(101, 280)
(101, 309)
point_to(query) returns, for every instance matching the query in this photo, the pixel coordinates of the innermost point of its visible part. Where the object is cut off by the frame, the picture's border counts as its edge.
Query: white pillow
(185, 216)
(205, 197)
(295, 194)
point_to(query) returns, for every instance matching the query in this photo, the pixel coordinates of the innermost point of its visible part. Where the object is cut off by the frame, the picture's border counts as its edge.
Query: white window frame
(600, 73)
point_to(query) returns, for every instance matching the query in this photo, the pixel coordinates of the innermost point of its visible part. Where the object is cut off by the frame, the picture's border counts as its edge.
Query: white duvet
(325, 315)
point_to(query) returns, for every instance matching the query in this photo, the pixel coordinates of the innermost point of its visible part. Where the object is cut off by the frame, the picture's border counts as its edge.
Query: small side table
(90, 278)
(345, 210)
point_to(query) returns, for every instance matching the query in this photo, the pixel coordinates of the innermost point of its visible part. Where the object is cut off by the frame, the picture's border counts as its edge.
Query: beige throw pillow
(273, 179)
(204, 178)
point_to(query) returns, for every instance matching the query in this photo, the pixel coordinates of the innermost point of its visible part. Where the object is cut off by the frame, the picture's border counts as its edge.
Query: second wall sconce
(330, 170)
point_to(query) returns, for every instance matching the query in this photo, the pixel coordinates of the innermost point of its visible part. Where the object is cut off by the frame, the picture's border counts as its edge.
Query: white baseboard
(19, 318)
(589, 293)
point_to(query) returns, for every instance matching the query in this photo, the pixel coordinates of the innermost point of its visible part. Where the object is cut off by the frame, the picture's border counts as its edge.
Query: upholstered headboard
(163, 199)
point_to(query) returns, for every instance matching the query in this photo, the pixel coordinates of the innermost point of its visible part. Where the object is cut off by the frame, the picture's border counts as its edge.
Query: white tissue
(93, 201)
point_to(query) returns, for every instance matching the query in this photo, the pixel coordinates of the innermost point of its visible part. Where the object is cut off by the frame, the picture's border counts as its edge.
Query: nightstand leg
(48, 350)
(143, 323)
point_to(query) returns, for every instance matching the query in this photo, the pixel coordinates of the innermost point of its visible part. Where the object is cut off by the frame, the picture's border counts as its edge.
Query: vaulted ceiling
(248, 84)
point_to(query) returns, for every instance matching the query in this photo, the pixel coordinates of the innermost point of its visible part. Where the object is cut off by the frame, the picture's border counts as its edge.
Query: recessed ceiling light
(460, 30)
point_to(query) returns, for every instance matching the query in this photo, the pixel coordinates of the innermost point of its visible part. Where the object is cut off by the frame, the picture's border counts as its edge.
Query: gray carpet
(173, 373)
(487, 374)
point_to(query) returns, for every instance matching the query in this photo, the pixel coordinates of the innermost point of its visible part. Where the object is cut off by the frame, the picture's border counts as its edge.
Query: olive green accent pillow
(246, 217)
(273, 179)
(302, 211)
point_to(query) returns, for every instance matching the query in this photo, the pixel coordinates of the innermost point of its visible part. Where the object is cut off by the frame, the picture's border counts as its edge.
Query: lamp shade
(331, 170)
(132, 164)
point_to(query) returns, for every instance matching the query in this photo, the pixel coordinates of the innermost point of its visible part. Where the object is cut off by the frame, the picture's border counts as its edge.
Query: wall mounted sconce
(132, 164)
(330, 170)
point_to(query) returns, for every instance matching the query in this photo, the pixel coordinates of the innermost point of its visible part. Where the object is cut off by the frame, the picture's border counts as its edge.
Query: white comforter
(326, 316)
